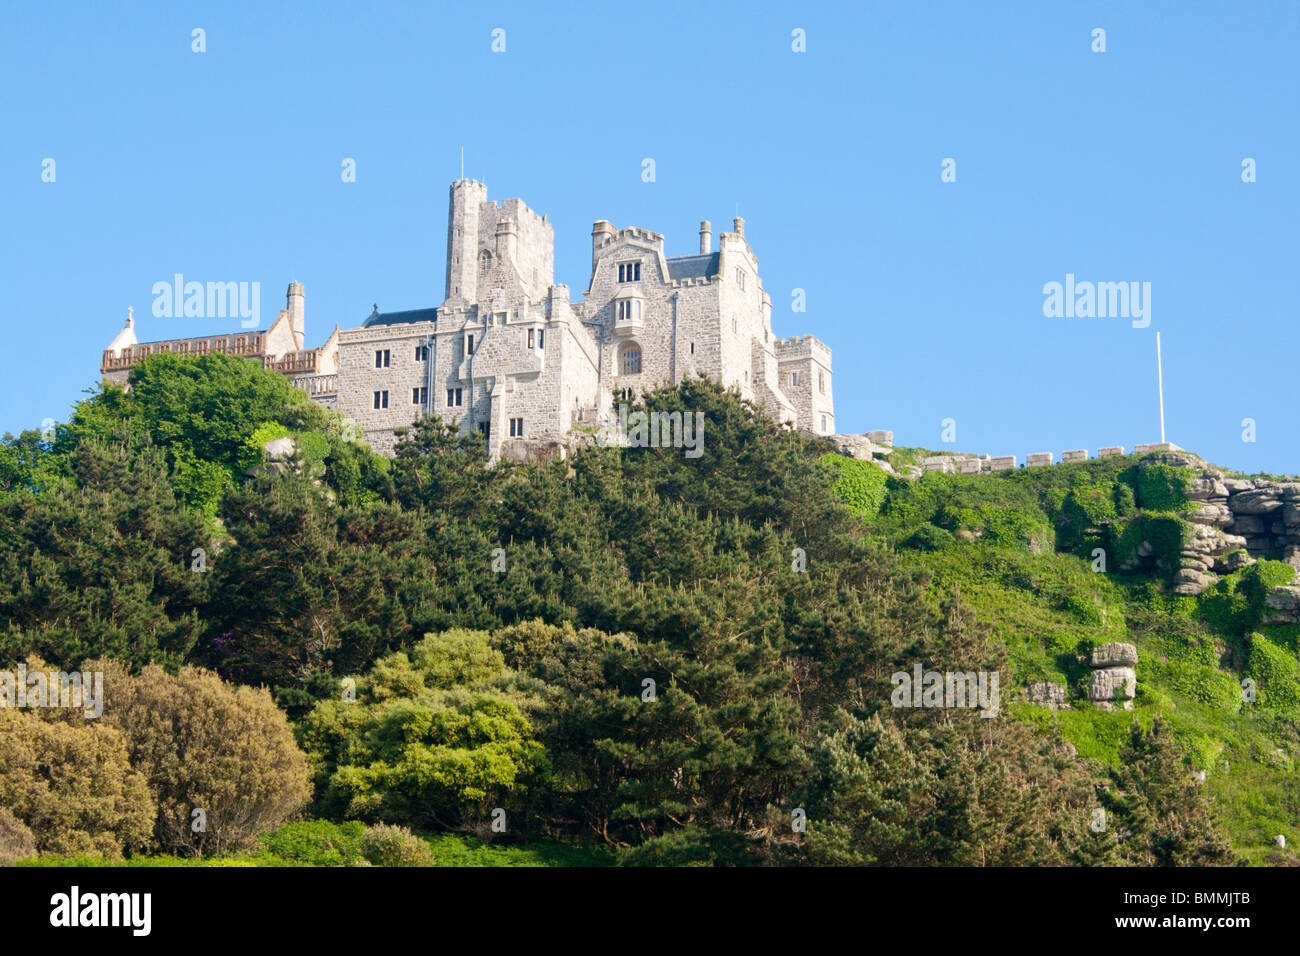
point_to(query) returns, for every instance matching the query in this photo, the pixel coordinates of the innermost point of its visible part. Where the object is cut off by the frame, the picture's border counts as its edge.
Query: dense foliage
(625, 652)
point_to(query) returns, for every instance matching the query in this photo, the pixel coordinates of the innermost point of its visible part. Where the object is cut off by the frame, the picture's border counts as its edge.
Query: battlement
(798, 346)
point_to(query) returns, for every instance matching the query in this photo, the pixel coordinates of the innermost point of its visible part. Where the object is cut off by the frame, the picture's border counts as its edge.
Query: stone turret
(706, 237)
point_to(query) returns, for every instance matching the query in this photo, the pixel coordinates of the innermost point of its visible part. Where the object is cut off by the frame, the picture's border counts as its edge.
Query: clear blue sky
(1115, 166)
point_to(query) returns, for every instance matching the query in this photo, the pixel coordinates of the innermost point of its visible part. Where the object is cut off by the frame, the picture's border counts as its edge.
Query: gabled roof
(693, 267)
(400, 318)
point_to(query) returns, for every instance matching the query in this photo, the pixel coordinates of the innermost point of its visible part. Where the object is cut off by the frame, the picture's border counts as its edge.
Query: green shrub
(384, 845)
(929, 538)
(317, 842)
(1276, 673)
(860, 483)
(1160, 487)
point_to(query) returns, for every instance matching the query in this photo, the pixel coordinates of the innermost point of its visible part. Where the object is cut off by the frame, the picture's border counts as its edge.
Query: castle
(509, 355)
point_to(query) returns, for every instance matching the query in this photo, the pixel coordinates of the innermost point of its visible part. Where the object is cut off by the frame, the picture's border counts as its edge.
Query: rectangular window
(740, 278)
(621, 270)
(422, 353)
(541, 338)
(453, 397)
(629, 272)
(794, 378)
(638, 272)
(692, 348)
(516, 428)
(823, 423)
(381, 399)
(469, 350)
(419, 395)
(821, 382)
(531, 337)
(381, 358)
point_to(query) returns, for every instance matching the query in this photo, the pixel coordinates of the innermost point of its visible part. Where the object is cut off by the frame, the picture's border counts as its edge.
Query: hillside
(628, 655)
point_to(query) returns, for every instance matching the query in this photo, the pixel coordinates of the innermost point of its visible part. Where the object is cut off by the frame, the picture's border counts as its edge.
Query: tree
(70, 783)
(102, 566)
(1163, 817)
(432, 738)
(203, 745)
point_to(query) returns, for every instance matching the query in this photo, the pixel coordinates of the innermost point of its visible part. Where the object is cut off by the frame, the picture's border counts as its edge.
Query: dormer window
(629, 272)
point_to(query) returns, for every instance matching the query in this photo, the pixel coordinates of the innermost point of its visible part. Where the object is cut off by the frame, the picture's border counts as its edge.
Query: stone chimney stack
(601, 231)
(739, 227)
(706, 237)
(296, 303)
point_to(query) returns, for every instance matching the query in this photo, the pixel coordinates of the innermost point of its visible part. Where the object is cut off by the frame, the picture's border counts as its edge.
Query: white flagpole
(1160, 386)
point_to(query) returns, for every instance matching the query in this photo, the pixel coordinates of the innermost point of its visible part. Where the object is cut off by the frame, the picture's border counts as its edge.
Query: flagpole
(1160, 386)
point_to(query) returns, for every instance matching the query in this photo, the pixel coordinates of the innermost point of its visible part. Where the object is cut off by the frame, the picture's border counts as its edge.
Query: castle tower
(467, 198)
(296, 303)
(602, 231)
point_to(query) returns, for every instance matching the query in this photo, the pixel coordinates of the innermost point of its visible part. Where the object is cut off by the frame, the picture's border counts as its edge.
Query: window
(381, 399)
(422, 353)
(381, 358)
(453, 397)
(469, 349)
(794, 378)
(541, 338)
(692, 348)
(821, 382)
(531, 337)
(629, 272)
(740, 278)
(823, 423)
(419, 396)
(486, 429)
(630, 359)
(516, 428)
(629, 309)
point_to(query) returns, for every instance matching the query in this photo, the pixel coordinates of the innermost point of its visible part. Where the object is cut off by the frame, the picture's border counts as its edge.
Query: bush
(1160, 487)
(317, 842)
(203, 744)
(385, 845)
(929, 538)
(70, 784)
(860, 483)
(16, 839)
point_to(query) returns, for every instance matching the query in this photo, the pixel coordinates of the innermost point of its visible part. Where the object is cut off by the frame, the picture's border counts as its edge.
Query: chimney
(295, 302)
(602, 230)
(706, 237)
(739, 227)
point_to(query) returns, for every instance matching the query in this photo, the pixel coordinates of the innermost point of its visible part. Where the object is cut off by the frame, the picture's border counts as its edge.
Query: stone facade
(508, 354)
(280, 348)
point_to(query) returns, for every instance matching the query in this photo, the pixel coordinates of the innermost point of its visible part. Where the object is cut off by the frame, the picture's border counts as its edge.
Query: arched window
(629, 360)
(485, 262)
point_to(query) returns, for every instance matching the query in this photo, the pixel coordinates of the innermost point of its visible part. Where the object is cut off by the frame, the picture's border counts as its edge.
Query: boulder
(1192, 581)
(1283, 605)
(1113, 683)
(1248, 524)
(1114, 655)
(1215, 515)
(1205, 488)
(1258, 501)
(1047, 694)
(279, 449)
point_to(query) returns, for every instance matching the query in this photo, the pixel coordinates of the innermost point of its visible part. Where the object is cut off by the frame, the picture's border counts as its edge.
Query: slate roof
(400, 318)
(693, 267)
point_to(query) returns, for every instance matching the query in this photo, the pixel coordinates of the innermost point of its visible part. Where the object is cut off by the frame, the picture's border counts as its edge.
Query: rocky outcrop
(1114, 677)
(1046, 694)
(1282, 605)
